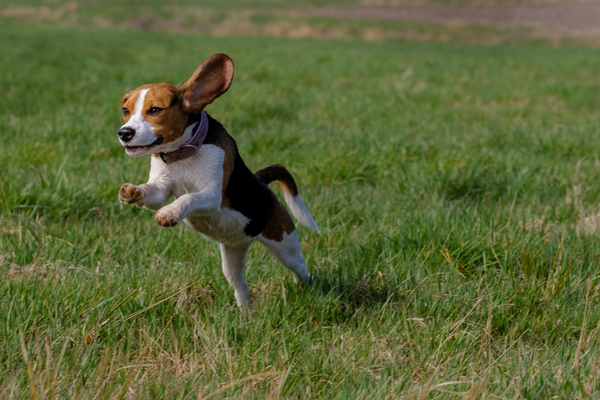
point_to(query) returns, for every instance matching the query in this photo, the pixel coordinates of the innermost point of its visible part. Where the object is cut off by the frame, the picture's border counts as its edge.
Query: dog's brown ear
(210, 80)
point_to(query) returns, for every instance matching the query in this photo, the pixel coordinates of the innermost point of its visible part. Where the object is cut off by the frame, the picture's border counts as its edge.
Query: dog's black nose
(125, 134)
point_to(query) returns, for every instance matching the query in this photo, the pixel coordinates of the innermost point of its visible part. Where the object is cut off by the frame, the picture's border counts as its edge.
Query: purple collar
(189, 148)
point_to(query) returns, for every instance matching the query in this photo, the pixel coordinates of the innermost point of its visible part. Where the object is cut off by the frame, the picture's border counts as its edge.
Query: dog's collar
(191, 147)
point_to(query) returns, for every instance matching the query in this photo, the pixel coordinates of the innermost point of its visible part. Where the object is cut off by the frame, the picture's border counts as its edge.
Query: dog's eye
(154, 111)
(125, 112)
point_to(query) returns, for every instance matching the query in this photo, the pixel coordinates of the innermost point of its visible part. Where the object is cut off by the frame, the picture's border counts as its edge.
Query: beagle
(196, 161)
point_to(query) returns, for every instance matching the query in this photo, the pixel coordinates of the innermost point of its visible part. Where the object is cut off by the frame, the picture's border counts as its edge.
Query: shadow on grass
(336, 296)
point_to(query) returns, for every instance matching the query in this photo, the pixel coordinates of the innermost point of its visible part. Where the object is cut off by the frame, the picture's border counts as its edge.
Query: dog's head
(158, 116)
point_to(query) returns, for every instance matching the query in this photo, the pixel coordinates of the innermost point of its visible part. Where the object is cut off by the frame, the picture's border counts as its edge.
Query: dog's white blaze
(144, 132)
(299, 210)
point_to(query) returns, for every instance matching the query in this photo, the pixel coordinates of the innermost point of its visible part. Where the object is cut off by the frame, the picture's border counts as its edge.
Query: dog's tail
(289, 189)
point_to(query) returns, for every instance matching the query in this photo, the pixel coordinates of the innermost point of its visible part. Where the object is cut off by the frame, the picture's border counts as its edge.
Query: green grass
(456, 189)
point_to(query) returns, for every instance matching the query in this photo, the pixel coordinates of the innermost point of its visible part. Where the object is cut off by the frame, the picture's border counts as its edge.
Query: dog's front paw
(130, 194)
(167, 216)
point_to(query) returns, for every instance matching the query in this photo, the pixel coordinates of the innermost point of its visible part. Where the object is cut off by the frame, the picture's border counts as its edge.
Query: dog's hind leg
(233, 256)
(288, 252)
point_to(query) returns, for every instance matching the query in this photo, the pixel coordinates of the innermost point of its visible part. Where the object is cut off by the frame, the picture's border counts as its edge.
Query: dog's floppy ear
(210, 80)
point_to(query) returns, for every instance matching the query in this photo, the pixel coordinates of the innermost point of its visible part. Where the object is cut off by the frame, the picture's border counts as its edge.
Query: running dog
(196, 161)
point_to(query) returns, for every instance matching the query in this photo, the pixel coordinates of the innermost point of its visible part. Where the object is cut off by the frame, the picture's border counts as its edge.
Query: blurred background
(464, 21)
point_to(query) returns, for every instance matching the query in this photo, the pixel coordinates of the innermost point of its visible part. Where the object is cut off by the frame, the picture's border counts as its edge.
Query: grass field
(456, 189)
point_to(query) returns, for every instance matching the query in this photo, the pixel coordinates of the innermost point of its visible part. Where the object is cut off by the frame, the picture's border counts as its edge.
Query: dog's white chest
(203, 173)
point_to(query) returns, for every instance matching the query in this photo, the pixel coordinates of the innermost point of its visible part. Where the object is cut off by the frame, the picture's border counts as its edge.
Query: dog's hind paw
(167, 217)
(130, 194)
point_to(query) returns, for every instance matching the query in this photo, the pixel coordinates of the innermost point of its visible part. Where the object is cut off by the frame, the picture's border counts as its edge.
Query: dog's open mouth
(135, 149)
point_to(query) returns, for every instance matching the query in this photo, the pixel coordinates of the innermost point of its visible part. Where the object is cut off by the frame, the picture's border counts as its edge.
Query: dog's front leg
(204, 203)
(149, 195)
